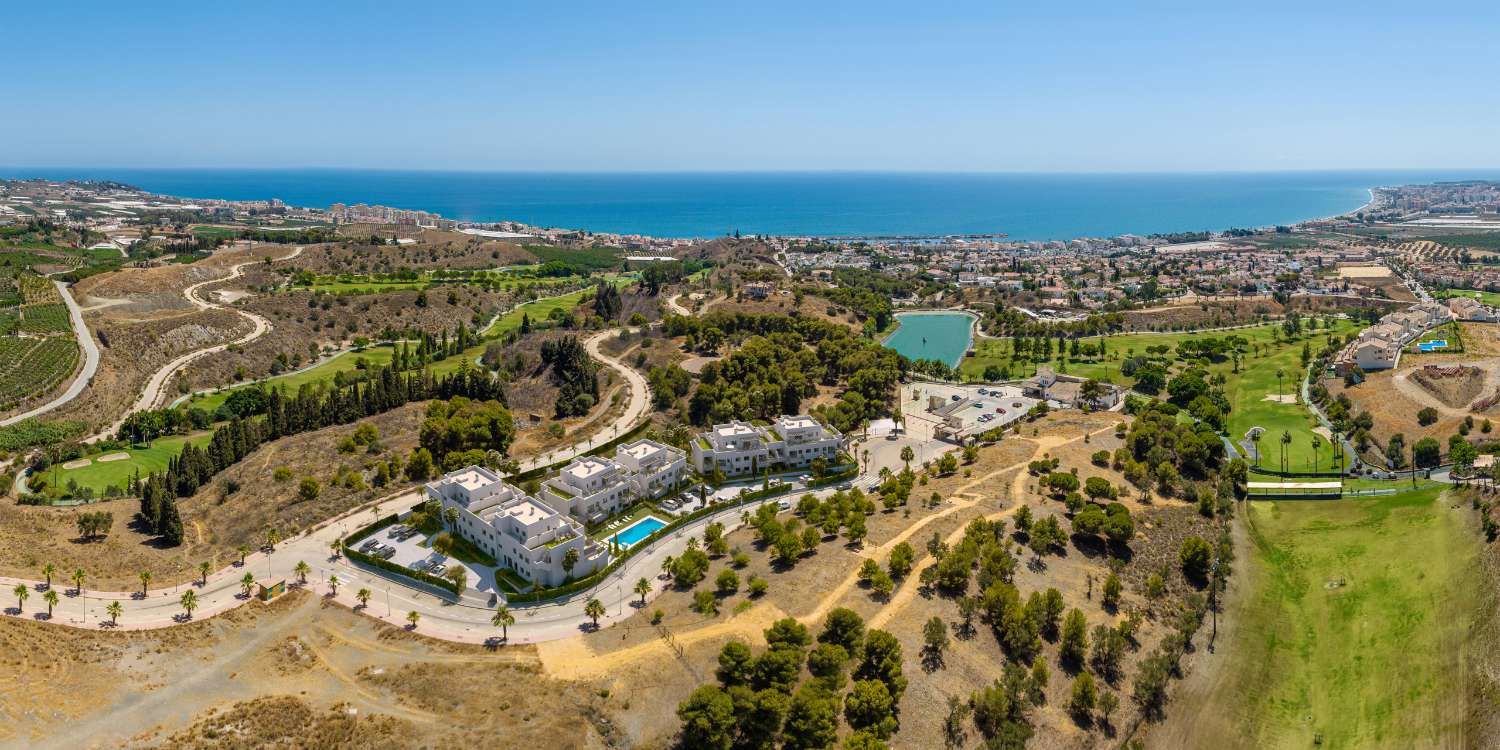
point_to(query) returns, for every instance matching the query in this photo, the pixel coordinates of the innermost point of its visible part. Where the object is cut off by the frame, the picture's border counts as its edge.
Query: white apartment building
(1379, 346)
(589, 488)
(653, 468)
(519, 531)
(789, 442)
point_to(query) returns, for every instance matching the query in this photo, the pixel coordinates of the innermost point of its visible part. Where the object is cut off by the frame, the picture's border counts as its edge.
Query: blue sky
(959, 86)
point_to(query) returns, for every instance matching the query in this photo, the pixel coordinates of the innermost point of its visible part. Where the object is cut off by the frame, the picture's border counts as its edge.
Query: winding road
(90, 361)
(152, 394)
(635, 411)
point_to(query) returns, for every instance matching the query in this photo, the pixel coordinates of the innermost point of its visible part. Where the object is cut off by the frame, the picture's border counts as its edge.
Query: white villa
(519, 531)
(740, 447)
(653, 468)
(1379, 346)
(592, 488)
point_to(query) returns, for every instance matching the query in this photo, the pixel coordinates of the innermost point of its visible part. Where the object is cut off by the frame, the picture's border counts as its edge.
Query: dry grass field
(294, 673)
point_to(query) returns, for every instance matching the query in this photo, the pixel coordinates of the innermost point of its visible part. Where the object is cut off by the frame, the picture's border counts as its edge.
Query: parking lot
(409, 551)
(936, 409)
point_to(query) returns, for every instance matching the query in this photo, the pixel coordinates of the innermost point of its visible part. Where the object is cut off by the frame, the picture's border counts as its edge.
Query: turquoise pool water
(1433, 345)
(941, 336)
(639, 530)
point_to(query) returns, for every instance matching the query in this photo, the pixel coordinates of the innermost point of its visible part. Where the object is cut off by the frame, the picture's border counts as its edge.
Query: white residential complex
(1379, 346)
(532, 535)
(743, 448)
(519, 531)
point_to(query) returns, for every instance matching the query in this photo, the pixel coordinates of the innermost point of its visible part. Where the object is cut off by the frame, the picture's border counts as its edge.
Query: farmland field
(1352, 629)
(32, 366)
(44, 318)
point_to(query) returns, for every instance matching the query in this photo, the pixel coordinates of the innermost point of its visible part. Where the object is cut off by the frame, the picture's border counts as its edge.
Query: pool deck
(615, 534)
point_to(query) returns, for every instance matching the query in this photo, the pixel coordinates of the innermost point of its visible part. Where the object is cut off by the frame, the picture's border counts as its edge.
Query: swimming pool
(637, 531)
(1428, 346)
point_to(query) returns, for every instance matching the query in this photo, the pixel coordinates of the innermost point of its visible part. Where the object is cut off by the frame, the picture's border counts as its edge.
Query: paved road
(635, 411)
(90, 361)
(152, 394)
(390, 601)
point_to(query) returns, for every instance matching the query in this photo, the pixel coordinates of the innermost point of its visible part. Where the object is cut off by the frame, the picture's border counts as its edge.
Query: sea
(825, 204)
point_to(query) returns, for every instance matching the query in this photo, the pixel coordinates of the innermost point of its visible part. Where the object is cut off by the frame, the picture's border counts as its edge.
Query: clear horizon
(1091, 88)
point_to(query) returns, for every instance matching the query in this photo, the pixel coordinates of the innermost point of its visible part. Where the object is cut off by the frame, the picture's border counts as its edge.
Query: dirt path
(90, 361)
(1402, 382)
(573, 659)
(152, 394)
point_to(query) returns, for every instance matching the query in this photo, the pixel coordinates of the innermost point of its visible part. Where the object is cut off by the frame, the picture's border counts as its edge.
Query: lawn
(373, 356)
(1247, 390)
(1488, 298)
(101, 474)
(1354, 625)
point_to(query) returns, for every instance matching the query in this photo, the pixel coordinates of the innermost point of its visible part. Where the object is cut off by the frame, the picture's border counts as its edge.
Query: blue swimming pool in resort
(1428, 346)
(639, 530)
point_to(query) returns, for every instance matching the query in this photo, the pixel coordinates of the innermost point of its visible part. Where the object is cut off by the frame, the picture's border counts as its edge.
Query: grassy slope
(1373, 663)
(1488, 298)
(99, 475)
(374, 356)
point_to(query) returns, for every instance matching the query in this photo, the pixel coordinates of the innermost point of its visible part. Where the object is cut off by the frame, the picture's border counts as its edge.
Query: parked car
(784, 505)
(387, 553)
(846, 485)
(418, 565)
(438, 569)
(397, 530)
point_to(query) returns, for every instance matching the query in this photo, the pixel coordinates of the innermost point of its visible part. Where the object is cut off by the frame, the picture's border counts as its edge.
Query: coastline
(835, 207)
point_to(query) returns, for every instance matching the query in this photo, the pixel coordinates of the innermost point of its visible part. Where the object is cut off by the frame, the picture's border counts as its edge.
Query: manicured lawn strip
(374, 356)
(1488, 298)
(1354, 624)
(101, 474)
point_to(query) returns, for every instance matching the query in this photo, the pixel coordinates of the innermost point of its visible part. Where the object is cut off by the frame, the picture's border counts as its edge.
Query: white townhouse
(519, 531)
(652, 467)
(789, 442)
(589, 488)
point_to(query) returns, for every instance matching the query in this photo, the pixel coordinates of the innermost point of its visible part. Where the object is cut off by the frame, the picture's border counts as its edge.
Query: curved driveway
(90, 361)
(151, 395)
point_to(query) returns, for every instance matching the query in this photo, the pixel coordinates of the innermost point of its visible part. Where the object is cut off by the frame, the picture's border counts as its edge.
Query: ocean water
(830, 204)
(941, 336)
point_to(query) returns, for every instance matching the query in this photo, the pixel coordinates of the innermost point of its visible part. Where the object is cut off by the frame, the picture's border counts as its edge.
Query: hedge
(846, 474)
(599, 575)
(387, 565)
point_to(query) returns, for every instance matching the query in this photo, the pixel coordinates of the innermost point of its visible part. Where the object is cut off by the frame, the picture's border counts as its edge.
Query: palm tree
(1280, 373)
(1286, 439)
(503, 619)
(189, 602)
(203, 569)
(247, 582)
(1317, 443)
(643, 587)
(244, 552)
(412, 618)
(335, 548)
(907, 455)
(113, 610)
(22, 594)
(302, 569)
(272, 537)
(593, 609)
(363, 595)
(145, 582)
(78, 582)
(666, 566)
(47, 571)
(1255, 438)
(450, 516)
(333, 583)
(51, 599)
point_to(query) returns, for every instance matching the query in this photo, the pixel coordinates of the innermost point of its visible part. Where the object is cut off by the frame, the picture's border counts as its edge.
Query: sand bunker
(1453, 386)
(114, 457)
(1285, 398)
(79, 464)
